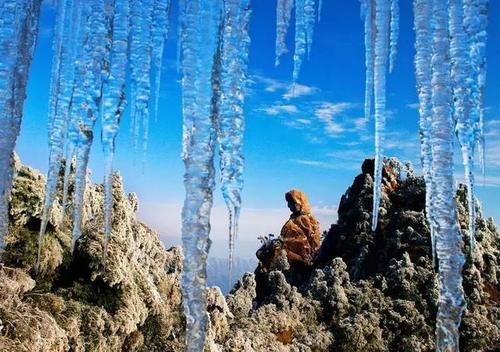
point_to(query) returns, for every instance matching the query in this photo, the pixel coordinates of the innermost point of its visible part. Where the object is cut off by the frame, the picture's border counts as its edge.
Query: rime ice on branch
(199, 42)
(230, 76)
(18, 33)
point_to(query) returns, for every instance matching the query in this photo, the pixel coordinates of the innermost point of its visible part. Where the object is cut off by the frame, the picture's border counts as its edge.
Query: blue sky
(313, 137)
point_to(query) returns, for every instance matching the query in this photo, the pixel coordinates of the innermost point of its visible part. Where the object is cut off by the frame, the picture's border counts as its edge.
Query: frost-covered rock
(366, 292)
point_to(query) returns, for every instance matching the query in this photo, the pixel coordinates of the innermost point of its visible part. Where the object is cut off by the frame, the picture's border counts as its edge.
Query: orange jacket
(301, 233)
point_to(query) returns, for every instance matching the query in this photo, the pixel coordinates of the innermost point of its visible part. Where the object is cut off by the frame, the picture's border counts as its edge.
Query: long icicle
(140, 69)
(79, 21)
(161, 11)
(423, 72)
(394, 36)
(199, 43)
(229, 91)
(283, 17)
(18, 34)
(448, 237)
(114, 104)
(300, 38)
(368, 14)
(475, 22)
(380, 70)
(310, 19)
(461, 73)
(95, 54)
(58, 112)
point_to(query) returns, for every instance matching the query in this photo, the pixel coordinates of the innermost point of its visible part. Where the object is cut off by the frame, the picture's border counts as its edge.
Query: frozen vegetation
(108, 53)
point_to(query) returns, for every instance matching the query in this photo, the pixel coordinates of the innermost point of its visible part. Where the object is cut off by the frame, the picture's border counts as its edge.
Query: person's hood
(300, 200)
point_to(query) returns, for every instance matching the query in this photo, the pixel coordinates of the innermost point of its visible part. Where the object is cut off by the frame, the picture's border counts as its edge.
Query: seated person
(300, 235)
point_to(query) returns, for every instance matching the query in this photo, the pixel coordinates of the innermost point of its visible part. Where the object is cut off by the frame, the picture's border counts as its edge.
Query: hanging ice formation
(377, 17)
(229, 94)
(141, 13)
(305, 17)
(89, 74)
(381, 26)
(448, 238)
(283, 16)
(320, 9)
(454, 80)
(18, 33)
(475, 22)
(368, 16)
(199, 42)
(423, 73)
(114, 103)
(466, 107)
(161, 11)
(394, 36)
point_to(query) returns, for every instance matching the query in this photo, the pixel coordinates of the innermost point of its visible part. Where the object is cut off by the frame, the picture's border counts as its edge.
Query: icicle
(159, 36)
(56, 115)
(140, 67)
(300, 38)
(448, 237)
(368, 14)
(310, 19)
(461, 73)
(95, 53)
(229, 91)
(394, 36)
(423, 71)
(114, 104)
(199, 43)
(18, 32)
(475, 21)
(63, 83)
(283, 16)
(320, 9)
(182, 11)
(76, 40)
(380, 70)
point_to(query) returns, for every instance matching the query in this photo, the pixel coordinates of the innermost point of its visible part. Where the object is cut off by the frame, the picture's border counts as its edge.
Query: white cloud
(326, 113)
(316, 163)
(279, 109)
(298, 90)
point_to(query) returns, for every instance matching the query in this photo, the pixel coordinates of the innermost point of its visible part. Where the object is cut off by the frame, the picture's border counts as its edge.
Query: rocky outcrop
(365, 291)
(77, 301)
(378, 291)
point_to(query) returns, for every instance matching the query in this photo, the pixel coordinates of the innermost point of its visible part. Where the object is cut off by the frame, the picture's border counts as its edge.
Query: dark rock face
(378, 291)
(365, 292)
